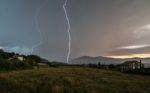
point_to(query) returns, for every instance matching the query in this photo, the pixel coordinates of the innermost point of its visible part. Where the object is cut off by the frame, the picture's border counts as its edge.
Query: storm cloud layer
(98, 27)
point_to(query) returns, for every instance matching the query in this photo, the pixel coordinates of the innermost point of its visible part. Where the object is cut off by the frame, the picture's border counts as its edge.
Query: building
(131, 65)
(19, 57)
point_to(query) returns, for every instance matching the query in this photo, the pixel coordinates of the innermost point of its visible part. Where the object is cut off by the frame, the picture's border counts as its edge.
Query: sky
(113, 28)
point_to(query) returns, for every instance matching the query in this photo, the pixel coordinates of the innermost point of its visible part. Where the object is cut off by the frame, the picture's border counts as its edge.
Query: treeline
(6, 65)
(144, 71)
(104, 66)
(11, 61)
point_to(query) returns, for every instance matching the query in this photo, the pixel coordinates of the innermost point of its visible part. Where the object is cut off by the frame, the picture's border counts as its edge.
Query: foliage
(15, 65)
(144, 71)
(10, 61)
(35, 58)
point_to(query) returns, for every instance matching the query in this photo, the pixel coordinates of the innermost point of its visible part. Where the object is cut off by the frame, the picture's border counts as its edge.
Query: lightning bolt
(37, 27)
(68, 30)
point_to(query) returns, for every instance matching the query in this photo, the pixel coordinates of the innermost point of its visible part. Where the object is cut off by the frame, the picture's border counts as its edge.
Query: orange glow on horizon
(132, 56)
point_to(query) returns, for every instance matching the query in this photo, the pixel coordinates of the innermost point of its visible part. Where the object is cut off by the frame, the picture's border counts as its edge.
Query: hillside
(72, 80)
(105, 60)
(95, 60)
(14, 61)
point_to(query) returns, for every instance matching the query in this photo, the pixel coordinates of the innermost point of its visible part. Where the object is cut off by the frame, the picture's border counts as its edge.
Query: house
(21, 58)
(18, 57)
(131, 65)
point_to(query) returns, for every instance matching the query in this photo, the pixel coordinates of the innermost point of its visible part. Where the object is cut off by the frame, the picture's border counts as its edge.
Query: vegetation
(66, 78)
(13, 61)
(144, 71)
(72, 80)
(15, 65)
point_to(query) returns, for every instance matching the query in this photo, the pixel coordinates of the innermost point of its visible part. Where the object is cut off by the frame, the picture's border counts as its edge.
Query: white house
(131, 65)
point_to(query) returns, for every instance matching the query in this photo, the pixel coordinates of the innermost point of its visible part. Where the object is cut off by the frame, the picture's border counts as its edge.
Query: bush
(6, 65)
(144, 71)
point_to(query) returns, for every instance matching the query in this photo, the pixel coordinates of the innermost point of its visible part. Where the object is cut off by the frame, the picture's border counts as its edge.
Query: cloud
(131, 50)
(146, 27)
(17, 49)
(144, 55)
(142, 32)
(135, 46)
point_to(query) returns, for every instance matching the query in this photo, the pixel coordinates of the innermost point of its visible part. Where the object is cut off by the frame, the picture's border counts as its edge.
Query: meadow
(72, 80)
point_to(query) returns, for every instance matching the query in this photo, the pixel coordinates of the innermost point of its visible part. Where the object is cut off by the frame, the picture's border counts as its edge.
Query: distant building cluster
(18, 57)
(131, 65)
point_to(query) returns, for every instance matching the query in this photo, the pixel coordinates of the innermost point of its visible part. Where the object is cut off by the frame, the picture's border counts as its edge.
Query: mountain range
(106, 60)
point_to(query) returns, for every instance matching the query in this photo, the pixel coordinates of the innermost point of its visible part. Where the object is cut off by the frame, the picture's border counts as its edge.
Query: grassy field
(72, 80)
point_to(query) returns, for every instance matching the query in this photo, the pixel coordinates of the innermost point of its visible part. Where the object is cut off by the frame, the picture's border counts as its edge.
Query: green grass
(72, 80)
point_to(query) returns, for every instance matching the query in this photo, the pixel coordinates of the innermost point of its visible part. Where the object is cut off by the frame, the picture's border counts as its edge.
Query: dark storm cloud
(98, 27)
(18, 31)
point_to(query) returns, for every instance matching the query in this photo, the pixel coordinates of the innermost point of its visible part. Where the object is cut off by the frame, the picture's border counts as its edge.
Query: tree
(35, 58)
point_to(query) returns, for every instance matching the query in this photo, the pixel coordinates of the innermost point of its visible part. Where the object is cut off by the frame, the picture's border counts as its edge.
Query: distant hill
(13, 61)
(105, 60)
(95, 60)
